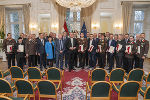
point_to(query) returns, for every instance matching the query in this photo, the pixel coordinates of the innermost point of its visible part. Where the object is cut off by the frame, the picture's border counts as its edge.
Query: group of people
(102, 49)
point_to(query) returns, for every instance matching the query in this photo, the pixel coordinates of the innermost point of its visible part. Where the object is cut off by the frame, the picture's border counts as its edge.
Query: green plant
(2, 34)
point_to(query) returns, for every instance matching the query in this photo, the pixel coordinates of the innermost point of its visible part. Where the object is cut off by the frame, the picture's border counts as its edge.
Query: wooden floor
(4, 67)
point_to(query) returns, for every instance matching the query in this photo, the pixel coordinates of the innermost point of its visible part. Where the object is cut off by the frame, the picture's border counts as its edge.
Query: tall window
(14, 22)
(138, 21)
(73, 20)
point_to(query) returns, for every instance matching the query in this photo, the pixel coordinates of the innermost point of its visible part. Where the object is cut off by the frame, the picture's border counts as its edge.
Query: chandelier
(75, 5)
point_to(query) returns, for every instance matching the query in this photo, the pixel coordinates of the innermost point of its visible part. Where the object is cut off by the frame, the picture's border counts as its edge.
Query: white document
(119, 47)
(100, 48)
(81, 48)
(111, 49)
(138, 50)
(9, 48)
(128, 48)
(21, 48)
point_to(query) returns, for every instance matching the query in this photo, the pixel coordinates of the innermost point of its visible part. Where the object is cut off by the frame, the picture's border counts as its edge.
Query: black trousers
(31, 60)
(20, 61)
(125, 63)
(86, 58)
(119, 61)
(101, 60)
(72, 60)
(75, 58)
(111, 60)
(81, 59)
(139, 62)
(43, 60)
(11, 60)
(129, 64)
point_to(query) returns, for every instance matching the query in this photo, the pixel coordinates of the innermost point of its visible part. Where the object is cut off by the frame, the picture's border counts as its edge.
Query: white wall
(37, 7)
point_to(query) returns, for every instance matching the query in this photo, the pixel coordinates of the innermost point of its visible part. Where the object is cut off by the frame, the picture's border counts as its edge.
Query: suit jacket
(144, 48)
(19, 54)
(30, 47)
(69, 44)
(103, 44)
(40, 46)
(57, 46)
(113, 43)
(83, 42)
(133, 50)
(9, 42)
(94, 43)
(122, 50)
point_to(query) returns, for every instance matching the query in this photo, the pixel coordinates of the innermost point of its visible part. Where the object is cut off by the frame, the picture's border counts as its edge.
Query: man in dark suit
(101, 51)
(143, 48)
(86, 52)
(65, 37)
(92, 46)
(131, 49)
(59, 47)
(71, 47)
(111, 45)
(41, 50)
(8, 47)
(120, 48)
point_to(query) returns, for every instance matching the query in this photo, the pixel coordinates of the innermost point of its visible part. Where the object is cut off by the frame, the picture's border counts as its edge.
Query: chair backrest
(46, 87)
(147, 93)
(24, 87)
(136, 75)
(5, 98)
(117, 75)
(5, 86)
(1, 74)
(101, 89)
(129, 89)
(148, 79)
(34, 73)
(53, 74)
(16, 72)
(98, 74)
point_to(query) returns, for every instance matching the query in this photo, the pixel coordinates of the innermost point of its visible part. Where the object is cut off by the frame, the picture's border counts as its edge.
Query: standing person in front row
(41, 51)
(71, 46)
(50, 51)
(82, 42)
(92, 46)
(111, 45)
(142, 51)
(131, 49)
(120, 48)
(101, 51)
(20, 52)
(30, 50)
(59, 47)
(8, 48)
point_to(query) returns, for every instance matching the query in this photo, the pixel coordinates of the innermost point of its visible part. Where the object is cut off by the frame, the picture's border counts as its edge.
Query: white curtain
(86, 15)
(126, 15)
(26, 14)
(62, 17)
(2, 16)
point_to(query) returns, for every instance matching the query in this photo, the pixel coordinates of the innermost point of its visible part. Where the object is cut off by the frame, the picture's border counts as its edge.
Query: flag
(84, 30)
(65, 27)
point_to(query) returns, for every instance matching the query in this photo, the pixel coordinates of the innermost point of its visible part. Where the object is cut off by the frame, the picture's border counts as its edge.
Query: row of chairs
(26, 89)
(100, 89)
(53, 76)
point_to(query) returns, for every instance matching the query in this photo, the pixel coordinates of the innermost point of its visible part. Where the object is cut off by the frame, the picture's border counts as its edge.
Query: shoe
(41, 69)
(73, 69)
(69, 70)
(61, 68)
